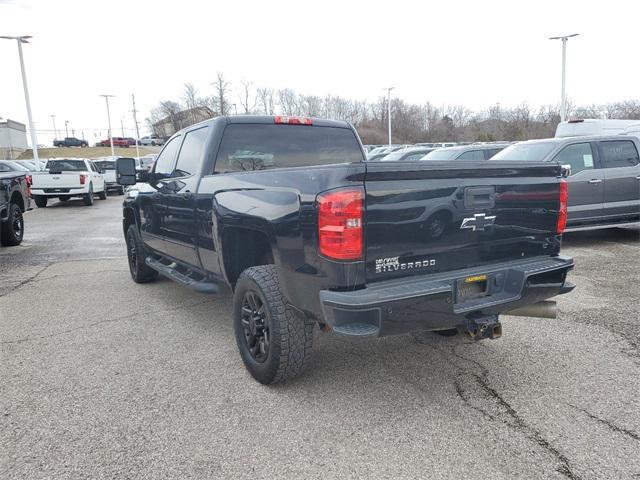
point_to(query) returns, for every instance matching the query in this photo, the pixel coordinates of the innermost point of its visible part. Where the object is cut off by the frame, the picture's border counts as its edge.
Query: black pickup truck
(14, 201)
(70, 142)
(287, 212)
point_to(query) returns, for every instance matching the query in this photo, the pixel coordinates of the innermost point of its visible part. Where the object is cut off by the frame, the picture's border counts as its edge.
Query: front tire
(136, 254)
(275, 343)
(13, 228)
(41, 201)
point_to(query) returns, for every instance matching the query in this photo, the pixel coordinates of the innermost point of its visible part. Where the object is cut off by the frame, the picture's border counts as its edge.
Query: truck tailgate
(428, 217)
(56, 180)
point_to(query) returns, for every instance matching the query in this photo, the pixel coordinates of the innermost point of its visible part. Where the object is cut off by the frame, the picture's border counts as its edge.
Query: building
(13, 139)
(177, 121)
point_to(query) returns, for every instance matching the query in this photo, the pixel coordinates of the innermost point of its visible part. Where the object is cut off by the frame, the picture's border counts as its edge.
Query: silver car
(604, 184)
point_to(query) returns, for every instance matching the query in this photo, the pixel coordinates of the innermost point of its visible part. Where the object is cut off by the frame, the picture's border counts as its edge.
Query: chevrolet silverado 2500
(287, 213)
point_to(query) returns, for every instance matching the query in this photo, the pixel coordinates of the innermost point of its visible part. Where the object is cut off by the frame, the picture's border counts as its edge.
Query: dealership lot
(105, 378)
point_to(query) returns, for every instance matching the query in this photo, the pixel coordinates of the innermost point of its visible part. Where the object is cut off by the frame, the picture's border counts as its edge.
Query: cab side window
(618, 153)
(190, 156)
(164, 162)
(578, 155)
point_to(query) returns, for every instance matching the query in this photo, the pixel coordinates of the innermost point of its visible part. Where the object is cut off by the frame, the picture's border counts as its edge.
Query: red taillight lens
(562, 207)
(292, 120)
(83, 178)
(340, 223)
(29, 180)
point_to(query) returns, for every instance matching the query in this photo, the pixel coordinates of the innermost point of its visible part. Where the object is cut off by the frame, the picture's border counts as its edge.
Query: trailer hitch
(479, 327)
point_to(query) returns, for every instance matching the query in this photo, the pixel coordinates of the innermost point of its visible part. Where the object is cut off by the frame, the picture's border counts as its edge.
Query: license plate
(471, 287)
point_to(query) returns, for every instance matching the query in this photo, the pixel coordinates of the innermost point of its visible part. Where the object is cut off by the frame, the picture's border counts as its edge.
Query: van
(592, 126)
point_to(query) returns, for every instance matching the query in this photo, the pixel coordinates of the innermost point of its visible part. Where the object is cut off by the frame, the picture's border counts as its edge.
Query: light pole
(135, 120)
(55, 130)
(106, 97)
(34, 140)
(66, 128)
(388, 89)
(122, 126)
(563, 101)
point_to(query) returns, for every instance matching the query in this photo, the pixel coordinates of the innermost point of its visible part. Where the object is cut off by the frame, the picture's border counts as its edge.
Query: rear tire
(136, 254)
(103, 194)
(12, 227)
(260, 312)
(41, 201)
(121, 191)
(88, 197)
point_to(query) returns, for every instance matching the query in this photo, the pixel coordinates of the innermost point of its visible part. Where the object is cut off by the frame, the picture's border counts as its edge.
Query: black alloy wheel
(255, 325)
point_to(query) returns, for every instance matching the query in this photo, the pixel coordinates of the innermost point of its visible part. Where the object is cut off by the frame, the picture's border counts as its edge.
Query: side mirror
(126, 171)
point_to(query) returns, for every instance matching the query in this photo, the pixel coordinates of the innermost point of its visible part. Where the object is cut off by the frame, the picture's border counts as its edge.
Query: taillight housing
(83, 179)
(29, 183)
(292, 120)
(562, 206)
(340, 218)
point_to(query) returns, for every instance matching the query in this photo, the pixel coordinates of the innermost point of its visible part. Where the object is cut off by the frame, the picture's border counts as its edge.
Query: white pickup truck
(107, 166)
(64, 178)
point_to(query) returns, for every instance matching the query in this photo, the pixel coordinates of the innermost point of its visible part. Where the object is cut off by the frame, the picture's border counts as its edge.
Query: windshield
(66, 166)
(443, 154)
(526, 151)
(16, 167)
(106, 165)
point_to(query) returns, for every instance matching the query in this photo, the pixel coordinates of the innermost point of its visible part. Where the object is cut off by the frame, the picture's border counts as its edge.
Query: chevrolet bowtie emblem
(478, 222)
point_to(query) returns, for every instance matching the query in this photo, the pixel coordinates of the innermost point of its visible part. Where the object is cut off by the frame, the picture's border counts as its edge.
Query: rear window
(441, 155)
(66, 166)
(260, 147)
(106, 165)
(534, 152)
(620, 153)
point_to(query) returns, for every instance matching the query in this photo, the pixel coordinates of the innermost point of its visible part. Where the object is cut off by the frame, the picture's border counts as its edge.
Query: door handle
(638, 177)
(595, 180)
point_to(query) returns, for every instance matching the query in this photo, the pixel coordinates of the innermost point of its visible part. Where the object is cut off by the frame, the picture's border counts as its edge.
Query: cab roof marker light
(281, 120)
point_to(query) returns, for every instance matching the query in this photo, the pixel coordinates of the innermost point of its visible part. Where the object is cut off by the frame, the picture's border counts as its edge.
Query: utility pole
(563, 98)
(34, 139)
(122, 126)
(66, 128)
(135, 121)
(106, 97)
(55, 130)
(388, 89)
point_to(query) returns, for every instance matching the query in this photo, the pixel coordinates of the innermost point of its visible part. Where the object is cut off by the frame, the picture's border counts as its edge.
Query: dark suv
(604, 183)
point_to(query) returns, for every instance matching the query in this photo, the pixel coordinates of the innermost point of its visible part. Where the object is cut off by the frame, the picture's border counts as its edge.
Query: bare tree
(221, 96)
(288, 101)
(266, 99)
(247, 97)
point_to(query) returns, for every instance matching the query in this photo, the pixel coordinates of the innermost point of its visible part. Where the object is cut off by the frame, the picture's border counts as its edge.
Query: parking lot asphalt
(104, 378)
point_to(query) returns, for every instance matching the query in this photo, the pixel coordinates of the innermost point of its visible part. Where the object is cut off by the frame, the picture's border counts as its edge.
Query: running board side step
(168, 271)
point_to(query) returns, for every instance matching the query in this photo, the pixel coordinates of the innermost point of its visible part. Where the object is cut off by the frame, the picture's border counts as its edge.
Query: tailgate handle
(479, 197)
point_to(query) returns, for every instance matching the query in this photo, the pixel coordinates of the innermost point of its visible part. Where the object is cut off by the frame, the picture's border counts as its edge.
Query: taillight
(562, 206)
(292, 120)
(29, 180)
(340, 223)
(83, 178)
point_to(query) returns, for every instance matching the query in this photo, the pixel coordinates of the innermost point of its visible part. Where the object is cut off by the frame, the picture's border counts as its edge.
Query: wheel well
(244, 248)
(129, 218)
(17, 199)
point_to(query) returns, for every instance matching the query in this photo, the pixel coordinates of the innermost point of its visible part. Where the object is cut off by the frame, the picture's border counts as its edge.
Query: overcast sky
(474, 53)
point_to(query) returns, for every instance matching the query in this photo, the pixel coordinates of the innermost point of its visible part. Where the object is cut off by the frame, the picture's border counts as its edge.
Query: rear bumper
(58, 191)
(429, 302)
